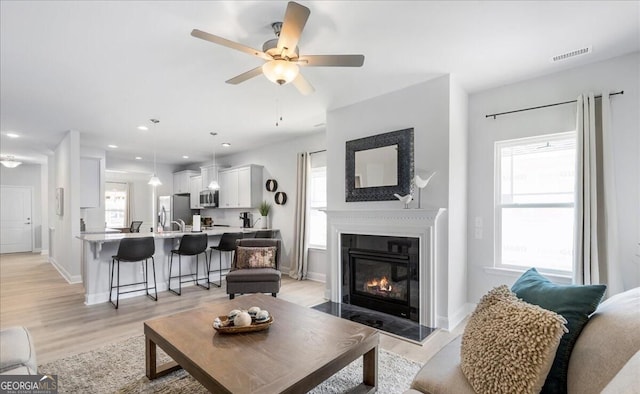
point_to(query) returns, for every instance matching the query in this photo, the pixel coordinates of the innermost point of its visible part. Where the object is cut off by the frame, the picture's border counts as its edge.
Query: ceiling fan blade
(303, 86)
(246, 75)
(295, 17)
(331, 60)
(229, 44)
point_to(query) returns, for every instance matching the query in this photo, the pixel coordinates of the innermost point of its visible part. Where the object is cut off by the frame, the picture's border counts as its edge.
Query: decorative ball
(242, 319)
(233, 314)
(254, 310)
(262, 315)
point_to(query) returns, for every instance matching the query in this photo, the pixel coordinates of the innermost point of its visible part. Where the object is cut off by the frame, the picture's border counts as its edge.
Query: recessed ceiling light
(185, 157)
(145, 128)
(226, 144)
(12, 135)
(138, 158)
(112, 146)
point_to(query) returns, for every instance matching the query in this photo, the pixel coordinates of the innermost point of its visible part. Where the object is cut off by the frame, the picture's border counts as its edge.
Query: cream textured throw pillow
(509, 345)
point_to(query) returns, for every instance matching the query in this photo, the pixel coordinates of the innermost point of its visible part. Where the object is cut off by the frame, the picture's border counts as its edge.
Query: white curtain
(300, 264)
(595, 241)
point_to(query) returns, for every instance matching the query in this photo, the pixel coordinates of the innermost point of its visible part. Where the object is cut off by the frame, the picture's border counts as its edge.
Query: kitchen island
(97, 250)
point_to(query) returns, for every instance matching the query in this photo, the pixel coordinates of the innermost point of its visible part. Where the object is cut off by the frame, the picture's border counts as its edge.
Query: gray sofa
(255, 280)
(605, 358)
(17, 352)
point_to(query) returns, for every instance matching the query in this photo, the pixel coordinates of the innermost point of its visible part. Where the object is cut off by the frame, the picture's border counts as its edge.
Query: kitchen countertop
(101, 231)
(112, 237)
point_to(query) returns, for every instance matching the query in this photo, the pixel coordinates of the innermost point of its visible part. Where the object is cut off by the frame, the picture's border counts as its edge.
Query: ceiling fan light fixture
(10, 162)
(280, 71)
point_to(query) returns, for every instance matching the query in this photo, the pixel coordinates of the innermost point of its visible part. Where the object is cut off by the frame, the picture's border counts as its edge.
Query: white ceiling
(105, 67)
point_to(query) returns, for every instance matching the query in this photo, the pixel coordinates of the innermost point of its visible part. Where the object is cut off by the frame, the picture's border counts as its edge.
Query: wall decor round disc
(280, 198)
(271, 185)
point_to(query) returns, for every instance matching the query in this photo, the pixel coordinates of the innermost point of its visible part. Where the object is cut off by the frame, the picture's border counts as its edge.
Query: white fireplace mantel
(416, 223)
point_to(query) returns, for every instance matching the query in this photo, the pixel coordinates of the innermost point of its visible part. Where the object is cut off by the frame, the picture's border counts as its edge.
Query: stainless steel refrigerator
(171, 208)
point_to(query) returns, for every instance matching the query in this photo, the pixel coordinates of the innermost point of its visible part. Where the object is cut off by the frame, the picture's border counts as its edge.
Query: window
(116, 205)
(535, 183)
(317, 200)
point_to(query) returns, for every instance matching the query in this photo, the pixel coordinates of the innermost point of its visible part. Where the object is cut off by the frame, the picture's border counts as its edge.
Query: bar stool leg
(111, 281)
(209, 270)
(179, 274)
(155, 283)
(118, 287)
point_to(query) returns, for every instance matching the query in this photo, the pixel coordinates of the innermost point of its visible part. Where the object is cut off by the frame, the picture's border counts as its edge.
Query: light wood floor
(34, 295)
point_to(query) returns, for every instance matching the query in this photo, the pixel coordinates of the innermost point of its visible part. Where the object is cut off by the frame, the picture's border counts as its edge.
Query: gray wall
(616, 74)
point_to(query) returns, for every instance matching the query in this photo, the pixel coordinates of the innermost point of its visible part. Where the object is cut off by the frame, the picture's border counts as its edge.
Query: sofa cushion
(509, 345)
(606, 344)
(254, 275)
(575, 303)
(255, 257)
(627, 380)
(442, 373)
(17, 352)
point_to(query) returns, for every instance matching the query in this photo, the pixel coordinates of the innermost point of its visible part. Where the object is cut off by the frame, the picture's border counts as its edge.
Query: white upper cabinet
(90, 181)
(195, 187)
(240, 187)
(182, 181)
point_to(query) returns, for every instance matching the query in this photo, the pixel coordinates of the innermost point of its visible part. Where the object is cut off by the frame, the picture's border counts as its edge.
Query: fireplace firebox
(381, 273)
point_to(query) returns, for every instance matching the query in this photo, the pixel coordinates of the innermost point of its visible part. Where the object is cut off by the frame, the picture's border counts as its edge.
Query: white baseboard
(44, 252)
(101, 298)
(450, 323)
(71, 279)
(316, 277)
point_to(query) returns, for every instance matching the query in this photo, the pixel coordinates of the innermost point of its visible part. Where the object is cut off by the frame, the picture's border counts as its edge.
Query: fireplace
(381, 273)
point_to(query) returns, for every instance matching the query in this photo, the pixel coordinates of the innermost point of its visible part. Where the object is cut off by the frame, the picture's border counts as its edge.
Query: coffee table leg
(150, 358)
(370, 368)
(154, 371)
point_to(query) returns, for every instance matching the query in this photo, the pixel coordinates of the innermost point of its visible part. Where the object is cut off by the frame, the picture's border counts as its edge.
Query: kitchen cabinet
(90, 181)
(195, 188)
(182, 181)
(209, 173)
(240, 187)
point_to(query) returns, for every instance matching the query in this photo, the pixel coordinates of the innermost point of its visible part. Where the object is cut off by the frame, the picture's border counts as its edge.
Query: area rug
(119, 368)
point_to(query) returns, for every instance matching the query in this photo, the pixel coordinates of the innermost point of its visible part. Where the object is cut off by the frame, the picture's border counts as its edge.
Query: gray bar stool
(134, 250)
(227, 244)
(190, 245)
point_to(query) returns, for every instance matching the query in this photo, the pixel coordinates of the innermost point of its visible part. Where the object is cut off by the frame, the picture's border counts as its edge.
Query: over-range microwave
(209, 198)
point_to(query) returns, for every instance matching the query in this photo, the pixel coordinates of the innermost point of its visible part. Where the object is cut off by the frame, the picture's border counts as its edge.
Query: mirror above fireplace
(379, 166)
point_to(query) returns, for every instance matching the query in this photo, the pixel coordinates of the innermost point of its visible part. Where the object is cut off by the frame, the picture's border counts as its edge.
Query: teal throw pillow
(574, 302)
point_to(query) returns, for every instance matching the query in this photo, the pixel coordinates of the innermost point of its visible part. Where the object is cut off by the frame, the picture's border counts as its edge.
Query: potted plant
(264, 209)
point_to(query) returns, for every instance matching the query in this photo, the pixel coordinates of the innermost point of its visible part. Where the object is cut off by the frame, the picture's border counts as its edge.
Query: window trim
(125, 211)
(498, 206)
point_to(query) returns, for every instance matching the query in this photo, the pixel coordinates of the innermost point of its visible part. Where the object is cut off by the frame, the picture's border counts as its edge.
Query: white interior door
(15, 219)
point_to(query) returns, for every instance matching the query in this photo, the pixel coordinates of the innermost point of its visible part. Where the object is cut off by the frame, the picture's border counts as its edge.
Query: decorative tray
(236, 330)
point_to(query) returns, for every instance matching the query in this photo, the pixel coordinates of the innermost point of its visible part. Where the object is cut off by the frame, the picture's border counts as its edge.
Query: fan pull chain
(278, 108)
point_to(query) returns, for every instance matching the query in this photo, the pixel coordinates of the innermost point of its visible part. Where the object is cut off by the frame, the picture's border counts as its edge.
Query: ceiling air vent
(574, 53)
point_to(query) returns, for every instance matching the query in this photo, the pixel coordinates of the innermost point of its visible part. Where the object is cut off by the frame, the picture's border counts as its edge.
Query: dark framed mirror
(379, 166)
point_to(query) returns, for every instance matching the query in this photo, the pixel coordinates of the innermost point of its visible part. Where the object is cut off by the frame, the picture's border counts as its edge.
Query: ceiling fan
(281, 54)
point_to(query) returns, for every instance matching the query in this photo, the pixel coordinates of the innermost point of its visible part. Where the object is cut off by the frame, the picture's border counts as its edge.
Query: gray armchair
(254, 280)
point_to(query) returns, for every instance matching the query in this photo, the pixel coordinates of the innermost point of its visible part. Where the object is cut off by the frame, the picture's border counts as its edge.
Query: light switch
(478, 221)
(478, 233)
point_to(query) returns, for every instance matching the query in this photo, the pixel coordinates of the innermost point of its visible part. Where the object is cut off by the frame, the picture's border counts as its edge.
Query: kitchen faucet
(180, 223)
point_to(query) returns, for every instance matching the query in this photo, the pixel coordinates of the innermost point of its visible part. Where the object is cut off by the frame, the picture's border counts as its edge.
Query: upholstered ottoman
(17, 352)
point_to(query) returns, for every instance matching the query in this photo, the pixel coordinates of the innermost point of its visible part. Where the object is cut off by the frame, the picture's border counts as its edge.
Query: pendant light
(10, 162)
(154, 181)
(214, 185)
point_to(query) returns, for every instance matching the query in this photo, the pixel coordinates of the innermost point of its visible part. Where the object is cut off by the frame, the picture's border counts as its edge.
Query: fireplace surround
(421, 224)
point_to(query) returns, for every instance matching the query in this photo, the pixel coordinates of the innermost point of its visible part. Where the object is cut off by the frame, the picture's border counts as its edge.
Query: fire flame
(382, 283)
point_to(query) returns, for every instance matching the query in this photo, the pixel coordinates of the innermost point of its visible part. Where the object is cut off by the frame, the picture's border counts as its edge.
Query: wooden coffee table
(302, 348)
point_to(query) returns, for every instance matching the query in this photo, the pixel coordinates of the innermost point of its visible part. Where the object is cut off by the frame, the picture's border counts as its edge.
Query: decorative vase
(264, 222)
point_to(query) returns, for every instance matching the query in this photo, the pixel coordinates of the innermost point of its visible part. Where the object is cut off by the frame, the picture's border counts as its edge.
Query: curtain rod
(545, 106)
(318, 151)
